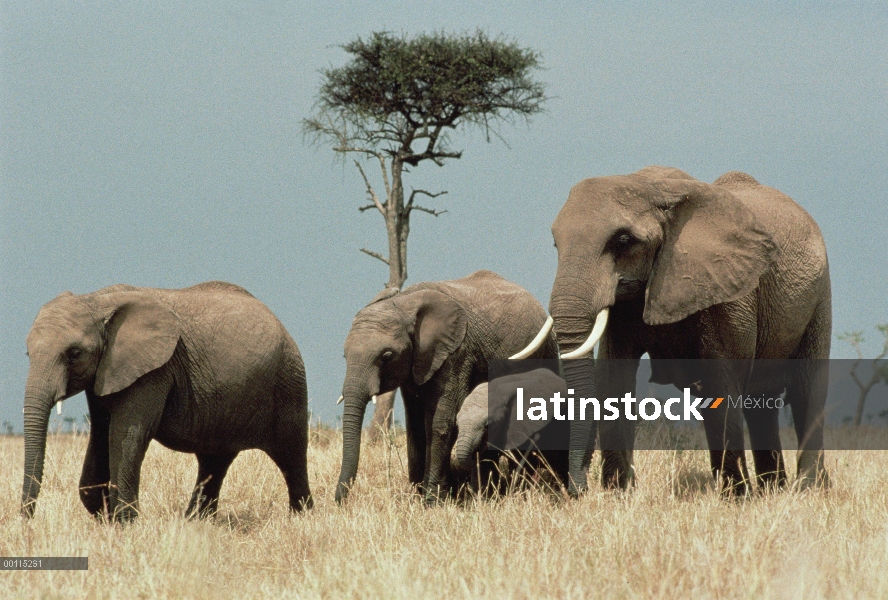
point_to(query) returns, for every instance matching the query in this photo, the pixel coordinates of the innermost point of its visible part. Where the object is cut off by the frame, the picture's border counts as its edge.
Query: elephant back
(504, 317)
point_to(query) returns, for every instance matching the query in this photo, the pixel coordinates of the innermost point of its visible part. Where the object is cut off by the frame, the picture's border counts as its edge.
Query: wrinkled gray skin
(207, 369)
(471, 429)
(691, 270)
(493, 403)
(433, 340)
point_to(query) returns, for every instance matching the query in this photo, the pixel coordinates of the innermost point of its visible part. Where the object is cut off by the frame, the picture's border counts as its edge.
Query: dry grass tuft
(670, 538)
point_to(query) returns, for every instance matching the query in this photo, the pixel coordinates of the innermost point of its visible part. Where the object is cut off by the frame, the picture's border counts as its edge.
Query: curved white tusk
(373, 397)
(537, 341)
(597, 332)
(341, 398)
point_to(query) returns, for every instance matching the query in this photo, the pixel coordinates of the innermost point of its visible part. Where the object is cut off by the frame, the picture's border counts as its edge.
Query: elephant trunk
(352, 421)
(38, 404)
(573, 316)
(579, 295)
(463, 452)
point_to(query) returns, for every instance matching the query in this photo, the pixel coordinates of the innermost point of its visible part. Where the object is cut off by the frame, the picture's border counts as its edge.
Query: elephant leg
(289, 450)
(439, 432)
(617, 376)
(292, 461)
(211, 470)
(806, 394)
(764, 437)
(729, 343)
(414, 412)
(96, 474)
(724, 435)
(135, 418)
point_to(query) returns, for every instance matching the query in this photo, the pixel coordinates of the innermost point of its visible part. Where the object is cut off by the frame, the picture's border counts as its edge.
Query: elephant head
(657, 235)
(100, 343)
(395, 339)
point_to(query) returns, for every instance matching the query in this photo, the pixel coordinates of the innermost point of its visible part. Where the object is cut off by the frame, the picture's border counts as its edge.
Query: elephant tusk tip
(341, 398)
(373, 398)
(536, 342)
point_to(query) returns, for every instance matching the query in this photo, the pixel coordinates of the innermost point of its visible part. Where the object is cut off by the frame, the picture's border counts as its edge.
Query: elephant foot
(813, 481)
(618, 479)
(125, 515)
(812, 473)
(770, 482)
(301, 504)
(435, 495)
(574, 490)
(28, 508)
(208, 511)
(733, 487)
(95, 500)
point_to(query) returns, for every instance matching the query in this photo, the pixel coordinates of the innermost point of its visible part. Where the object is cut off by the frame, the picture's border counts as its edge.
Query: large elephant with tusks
(658, 262)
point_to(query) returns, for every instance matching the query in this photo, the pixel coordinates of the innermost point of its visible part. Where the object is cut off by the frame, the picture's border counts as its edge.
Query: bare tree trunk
(398, 228)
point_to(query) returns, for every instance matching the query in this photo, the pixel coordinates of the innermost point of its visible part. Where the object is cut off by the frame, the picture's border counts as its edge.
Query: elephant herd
(653, 262)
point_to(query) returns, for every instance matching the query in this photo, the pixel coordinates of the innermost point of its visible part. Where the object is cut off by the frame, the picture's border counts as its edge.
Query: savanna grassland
(672, 537)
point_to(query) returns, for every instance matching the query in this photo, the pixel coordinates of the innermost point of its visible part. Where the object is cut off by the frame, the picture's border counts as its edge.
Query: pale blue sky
(159, 144)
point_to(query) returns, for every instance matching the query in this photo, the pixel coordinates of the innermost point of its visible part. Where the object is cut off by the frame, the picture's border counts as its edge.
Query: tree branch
(370, 192)
(431, 211)
(385, 179)
(435, 157)
(424, 192)
(375, 255)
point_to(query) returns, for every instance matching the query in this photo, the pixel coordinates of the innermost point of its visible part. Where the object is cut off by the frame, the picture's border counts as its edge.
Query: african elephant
(206, 369)
(659, 262)
(491, 408)
(433, 340)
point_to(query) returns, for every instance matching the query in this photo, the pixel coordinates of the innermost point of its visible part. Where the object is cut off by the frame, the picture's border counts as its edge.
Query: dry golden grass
(673, 537)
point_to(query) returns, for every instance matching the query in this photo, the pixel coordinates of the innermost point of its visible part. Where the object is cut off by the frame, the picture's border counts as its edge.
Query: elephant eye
(74, 353)
(387, 355)
(621, 241)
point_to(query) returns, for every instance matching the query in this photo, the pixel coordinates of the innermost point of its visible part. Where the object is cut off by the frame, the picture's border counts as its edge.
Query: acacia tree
(395, 104)
(878, 365)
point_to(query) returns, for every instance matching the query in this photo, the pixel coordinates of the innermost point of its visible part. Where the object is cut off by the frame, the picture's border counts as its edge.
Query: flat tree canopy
(397, 99)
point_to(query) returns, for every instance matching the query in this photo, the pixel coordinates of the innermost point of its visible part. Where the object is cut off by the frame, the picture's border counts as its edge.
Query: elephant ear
(385, 294)
(714, 251)
(140, 336)
(439, 327)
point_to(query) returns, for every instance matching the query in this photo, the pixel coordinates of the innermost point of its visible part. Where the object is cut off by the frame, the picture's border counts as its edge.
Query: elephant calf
(206, 369)
(489, 408)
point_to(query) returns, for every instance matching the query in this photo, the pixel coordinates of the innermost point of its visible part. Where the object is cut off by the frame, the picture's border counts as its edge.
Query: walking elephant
(206, 369)
(433, 340)
(662, 263)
